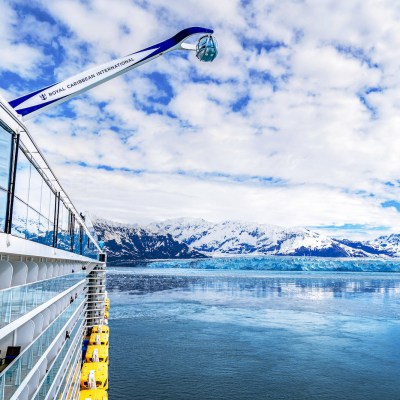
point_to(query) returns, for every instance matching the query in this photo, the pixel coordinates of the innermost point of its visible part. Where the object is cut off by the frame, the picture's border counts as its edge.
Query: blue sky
(295, 123)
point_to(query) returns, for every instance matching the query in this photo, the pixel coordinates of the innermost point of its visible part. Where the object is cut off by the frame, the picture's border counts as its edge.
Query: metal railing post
(56, 218)
(11, 181)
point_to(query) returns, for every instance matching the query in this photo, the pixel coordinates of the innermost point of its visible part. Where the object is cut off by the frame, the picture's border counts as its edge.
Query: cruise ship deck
(52, 273)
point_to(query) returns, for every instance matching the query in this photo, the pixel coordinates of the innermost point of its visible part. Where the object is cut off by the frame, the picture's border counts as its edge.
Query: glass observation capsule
(206, 49)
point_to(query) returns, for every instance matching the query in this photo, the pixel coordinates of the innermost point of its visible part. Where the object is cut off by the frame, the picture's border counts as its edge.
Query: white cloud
(308, 116)
(19, 58)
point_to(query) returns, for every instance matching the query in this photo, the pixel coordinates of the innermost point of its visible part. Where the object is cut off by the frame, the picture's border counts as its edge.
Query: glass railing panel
(15, 302)
(64, 240)
(3, 208)
(35, 189)
(23, 177)
(5, 301)
(45, 231)
(91, 253)
(5, 156)
(20, 214)
(73, 341)
(19, 369)
(32, 225)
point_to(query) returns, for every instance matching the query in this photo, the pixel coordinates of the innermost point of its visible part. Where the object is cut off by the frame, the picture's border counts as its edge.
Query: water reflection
(138, 282)
(142, 284)
(287, 335)
(373, 294)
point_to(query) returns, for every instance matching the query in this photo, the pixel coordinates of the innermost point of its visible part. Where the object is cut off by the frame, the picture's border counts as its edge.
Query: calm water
(239, 334)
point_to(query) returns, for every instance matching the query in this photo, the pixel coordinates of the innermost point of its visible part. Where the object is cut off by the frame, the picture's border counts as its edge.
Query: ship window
(23, 177)
(33, 215)
(20, 213)
(35, 189)
(45, 231)
(64, 238)
(32, 226)
(46, 201)
(5, 155)
(3, 208)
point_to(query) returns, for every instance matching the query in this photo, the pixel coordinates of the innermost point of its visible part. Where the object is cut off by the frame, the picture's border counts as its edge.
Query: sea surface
(239, 330)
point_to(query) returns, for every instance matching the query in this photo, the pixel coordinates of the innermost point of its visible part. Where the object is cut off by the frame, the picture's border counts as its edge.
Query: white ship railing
(48, 387)
(68, 356)
(72, 381)
(17, 301)
(18, 370)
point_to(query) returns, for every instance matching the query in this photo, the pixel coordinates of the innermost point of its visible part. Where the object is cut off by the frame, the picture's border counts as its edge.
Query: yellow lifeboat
(101, 329)
(94, 375)
(99, 339)
(96, 353)
(106, 314)
(96, 394)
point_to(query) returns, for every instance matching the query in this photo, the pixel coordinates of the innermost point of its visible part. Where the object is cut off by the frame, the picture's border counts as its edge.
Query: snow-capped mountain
(129, 243)
(232, 237)
(197, 238)
(388, 244)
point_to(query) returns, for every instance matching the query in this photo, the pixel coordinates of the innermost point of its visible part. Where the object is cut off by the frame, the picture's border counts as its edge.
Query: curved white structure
(36, 102)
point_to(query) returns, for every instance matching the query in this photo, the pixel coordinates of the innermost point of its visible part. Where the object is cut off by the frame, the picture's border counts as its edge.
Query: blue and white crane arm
(36, 102)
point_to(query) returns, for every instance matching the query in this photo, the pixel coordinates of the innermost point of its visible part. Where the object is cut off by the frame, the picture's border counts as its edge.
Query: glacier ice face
(250, 266)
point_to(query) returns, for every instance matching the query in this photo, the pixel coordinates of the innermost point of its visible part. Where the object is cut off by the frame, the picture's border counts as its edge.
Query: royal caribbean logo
(43, 96)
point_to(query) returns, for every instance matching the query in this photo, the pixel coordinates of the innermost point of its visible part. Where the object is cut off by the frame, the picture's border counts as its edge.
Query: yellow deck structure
(102, 353)
(94, 375)
(100, 373)
(95, 394)
(99, 339)
(101, 329)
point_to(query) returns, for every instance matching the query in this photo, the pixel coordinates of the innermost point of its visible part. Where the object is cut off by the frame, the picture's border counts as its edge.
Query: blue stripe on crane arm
(29, 110)
(16, 102)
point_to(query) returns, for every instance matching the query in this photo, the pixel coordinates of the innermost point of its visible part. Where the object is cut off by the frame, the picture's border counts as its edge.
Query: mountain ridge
(236, 237)
(198, 238)
(129, 243)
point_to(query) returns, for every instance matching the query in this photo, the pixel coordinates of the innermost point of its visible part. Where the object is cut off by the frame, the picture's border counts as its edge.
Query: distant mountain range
(197, 238)
(128, 243)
